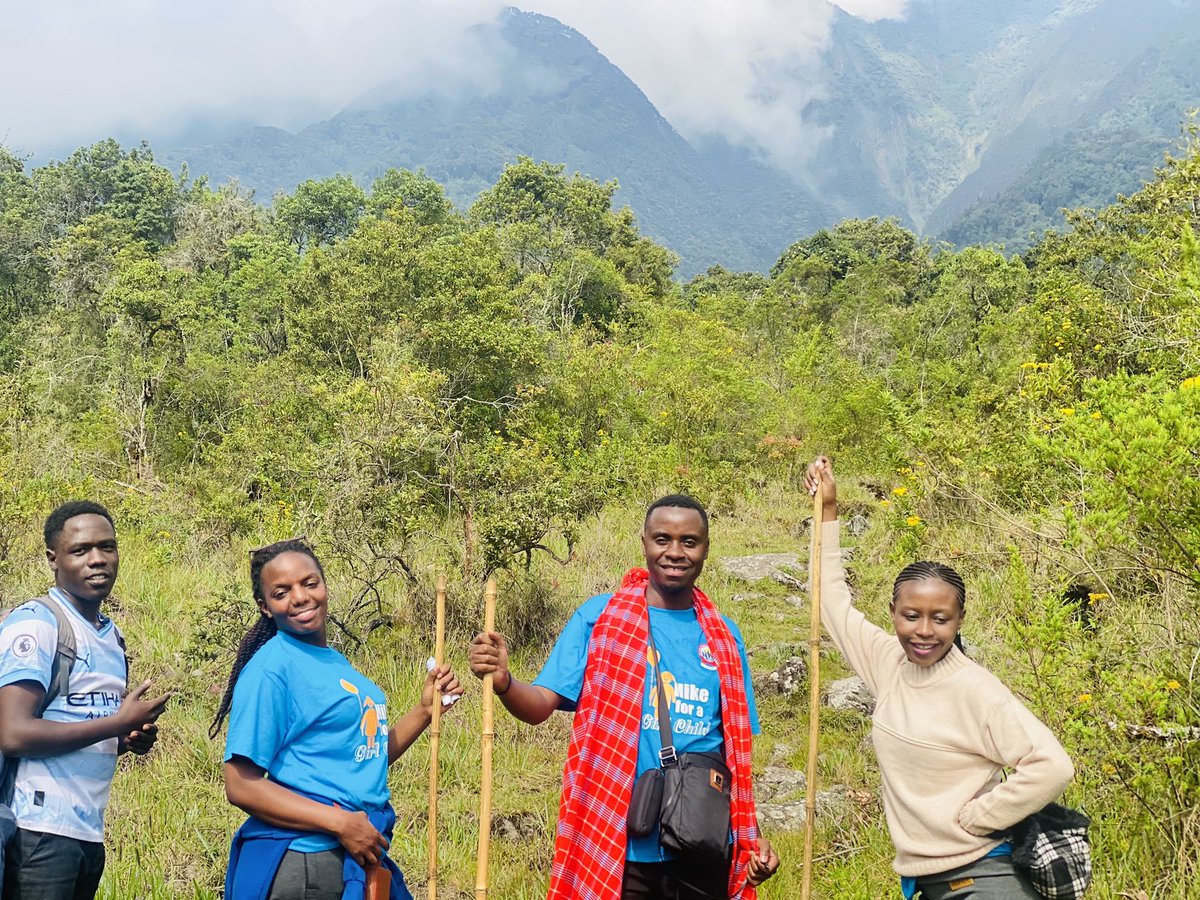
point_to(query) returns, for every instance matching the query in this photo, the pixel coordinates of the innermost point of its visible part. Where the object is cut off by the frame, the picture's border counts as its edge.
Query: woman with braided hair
(961, 759)
(309, 745)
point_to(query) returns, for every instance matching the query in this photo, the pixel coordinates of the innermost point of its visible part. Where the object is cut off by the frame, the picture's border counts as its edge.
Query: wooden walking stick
(814, 693)
(487, 738)
(435, 732)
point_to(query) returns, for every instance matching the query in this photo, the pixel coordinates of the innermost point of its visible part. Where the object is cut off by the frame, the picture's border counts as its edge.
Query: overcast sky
(76, 71)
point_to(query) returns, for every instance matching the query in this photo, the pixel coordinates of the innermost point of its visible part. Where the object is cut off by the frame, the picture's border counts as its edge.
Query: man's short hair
(67, 511)
(678, 501)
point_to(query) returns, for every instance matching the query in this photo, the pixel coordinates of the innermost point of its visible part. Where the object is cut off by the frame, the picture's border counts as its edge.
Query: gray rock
(774, 566)
(777, 783)
(795, 600)
(742, 598)
(784, 648)
(521, 826)
(788, 679)
(850, 693)
(832, 804)
(857, 525)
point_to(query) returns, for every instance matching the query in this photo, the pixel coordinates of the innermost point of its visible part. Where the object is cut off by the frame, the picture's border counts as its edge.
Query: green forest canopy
(376, 367)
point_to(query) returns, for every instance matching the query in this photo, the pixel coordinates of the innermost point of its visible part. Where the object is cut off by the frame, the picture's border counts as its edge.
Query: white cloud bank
(742, 69)
(77, 70)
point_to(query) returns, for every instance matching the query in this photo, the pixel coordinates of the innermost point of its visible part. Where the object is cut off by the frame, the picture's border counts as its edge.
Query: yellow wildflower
(1173, 685)
(1067, 410)
(1084, 698)
(1095, 415)
(1190, 384)
(1095, 597)
(912, 521)
(899, 490)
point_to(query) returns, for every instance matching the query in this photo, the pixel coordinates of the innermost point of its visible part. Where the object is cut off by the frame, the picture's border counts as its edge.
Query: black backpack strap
(65, 654)
(124, 654)
(666, 756)
(8, 780)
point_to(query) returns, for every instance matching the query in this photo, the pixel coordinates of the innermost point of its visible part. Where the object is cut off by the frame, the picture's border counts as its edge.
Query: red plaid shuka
(589, 852)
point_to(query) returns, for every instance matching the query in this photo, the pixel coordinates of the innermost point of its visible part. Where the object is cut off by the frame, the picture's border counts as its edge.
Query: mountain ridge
(961, 121)
(558, 99)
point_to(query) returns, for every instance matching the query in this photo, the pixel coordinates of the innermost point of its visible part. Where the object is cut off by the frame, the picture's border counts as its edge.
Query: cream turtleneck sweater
(944, 735)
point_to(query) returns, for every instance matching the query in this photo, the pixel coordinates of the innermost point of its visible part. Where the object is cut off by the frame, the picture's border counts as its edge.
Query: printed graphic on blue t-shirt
(690, 680)
(65, 795)
(315, 724)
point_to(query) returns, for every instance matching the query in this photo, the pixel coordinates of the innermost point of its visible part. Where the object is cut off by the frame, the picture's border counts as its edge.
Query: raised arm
(403, 733)
(866, 646)
(531, 703)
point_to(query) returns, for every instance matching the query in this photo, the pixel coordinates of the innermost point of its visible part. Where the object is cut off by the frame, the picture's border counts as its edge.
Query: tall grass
(182, 609)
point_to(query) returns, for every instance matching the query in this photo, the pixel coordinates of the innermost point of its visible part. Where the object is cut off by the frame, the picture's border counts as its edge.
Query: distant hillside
(1112, 148)
(968, 120)
(961, 100)
(556, 98)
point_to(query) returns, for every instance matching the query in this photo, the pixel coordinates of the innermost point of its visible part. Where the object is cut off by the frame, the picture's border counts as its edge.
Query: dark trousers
(309, 876)
(993, 878)
(40, 866)
(676, 880)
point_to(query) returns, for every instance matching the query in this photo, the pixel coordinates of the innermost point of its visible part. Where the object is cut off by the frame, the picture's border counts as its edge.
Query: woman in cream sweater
(961, 759)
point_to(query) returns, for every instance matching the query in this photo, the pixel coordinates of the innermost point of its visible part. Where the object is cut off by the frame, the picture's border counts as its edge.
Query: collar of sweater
(927, 676)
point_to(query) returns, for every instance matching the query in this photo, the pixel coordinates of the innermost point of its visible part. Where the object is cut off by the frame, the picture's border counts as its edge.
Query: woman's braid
(260, 632)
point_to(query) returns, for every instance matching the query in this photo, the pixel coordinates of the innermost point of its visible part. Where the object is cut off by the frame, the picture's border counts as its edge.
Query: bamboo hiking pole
(487, 738)
(435, 732)
(814, 692)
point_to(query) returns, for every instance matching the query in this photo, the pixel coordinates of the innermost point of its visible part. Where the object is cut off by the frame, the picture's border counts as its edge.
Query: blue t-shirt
(690, 678)
(315, 724)
(65, 794)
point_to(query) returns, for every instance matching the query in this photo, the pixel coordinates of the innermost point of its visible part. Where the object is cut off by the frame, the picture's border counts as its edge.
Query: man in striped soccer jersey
(61, 756)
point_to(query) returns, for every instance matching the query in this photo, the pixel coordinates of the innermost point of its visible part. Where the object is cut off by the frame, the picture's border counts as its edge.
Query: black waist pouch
(646, 803)
(695, 806)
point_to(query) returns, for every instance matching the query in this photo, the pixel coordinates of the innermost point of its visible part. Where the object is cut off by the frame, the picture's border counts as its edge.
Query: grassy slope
(169, 825)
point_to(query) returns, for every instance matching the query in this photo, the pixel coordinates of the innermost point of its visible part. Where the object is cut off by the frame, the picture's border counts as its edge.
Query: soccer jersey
(315, 724)
(66, 794)
(690, 679)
